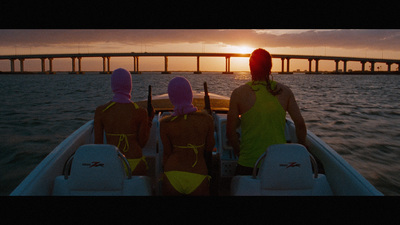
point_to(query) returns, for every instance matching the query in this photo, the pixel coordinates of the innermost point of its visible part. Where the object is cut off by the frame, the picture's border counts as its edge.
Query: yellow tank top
(263, 125)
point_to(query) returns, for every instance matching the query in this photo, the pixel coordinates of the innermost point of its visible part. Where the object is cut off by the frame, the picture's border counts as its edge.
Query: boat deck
(342, 178)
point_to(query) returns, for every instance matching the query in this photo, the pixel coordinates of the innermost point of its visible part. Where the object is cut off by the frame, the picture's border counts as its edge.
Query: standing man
(262, 105)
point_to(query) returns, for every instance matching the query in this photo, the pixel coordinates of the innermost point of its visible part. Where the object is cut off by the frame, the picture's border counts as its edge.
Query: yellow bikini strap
(109, 106)
(194, 147)
(113, 103)
(122, 138)
(134, 162)
(184, 117)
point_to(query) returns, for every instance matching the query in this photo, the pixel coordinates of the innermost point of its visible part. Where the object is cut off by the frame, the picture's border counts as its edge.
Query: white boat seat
(97, 169)
(285, 171)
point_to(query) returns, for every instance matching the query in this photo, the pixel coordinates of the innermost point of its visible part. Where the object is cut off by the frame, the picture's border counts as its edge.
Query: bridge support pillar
(198, 66)
(309, 65)
(80, 65)
(43, 65)
(337, 66)
(73, 66)
(136, 65)
(227, 65)
(316, 65)
(372, 66)
(344, 66)
(166, 66)
(362, 66)
(287, 65)
(104, 64)
(108, 64)
(21, 65)
(388, 64)
(51, 66)
(12, 65)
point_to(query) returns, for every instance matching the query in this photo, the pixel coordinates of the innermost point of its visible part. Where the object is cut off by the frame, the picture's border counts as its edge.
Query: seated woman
(188, 140)
(125, 124)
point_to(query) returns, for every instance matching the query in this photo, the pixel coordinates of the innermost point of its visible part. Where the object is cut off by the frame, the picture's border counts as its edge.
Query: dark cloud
(361, 39)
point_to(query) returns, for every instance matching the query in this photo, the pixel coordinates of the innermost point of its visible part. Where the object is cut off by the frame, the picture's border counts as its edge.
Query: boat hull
(40, 181)
(342, 177)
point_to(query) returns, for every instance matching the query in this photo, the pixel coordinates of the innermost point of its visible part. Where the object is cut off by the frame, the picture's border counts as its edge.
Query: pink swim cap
(121, 85)
(181, 96)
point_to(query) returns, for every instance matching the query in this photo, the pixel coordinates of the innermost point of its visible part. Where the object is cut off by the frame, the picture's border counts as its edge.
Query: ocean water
(357, 115)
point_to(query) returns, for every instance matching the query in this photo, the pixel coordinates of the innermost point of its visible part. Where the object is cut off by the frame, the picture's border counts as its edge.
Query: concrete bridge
(107, 57)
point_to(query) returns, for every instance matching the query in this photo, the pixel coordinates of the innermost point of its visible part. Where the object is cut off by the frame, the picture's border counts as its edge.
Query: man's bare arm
(295, 114)
(232, 122)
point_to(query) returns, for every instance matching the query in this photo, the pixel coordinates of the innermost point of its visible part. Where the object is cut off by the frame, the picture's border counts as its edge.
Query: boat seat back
(286, 167)
(286, 170)
(99, 170)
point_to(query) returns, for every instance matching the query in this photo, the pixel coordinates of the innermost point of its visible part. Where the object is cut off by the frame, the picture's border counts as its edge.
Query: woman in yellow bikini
(188, 139)
(125, 124)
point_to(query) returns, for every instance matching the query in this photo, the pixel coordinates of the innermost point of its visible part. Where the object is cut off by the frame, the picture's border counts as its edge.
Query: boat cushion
(286, 167)
(285, 171)
(98, 170)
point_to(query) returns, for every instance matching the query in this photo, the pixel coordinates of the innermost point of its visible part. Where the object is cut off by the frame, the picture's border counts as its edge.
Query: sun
(244, 49)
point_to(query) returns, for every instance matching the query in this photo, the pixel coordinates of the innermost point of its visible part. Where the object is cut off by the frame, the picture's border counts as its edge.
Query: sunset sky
(381, 43)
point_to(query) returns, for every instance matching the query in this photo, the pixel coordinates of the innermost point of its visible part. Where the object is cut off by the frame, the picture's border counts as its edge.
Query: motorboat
(77, 165)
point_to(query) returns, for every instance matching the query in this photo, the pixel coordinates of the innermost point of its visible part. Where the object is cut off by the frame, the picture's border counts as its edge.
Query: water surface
(357, 115)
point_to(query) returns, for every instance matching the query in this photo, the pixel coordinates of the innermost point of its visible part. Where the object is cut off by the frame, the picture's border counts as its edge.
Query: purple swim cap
(181, 96)
(121, 85)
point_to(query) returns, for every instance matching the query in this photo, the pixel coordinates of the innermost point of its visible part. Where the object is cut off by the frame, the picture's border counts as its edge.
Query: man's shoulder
(241, 89)
(286, 92)
(284, 87)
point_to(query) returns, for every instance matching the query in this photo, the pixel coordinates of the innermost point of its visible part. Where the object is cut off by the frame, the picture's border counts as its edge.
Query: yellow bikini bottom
(185, 182)
(134, 162)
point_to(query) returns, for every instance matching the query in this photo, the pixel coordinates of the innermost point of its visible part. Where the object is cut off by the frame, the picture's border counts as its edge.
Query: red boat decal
(290, 164)
(93, 164)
